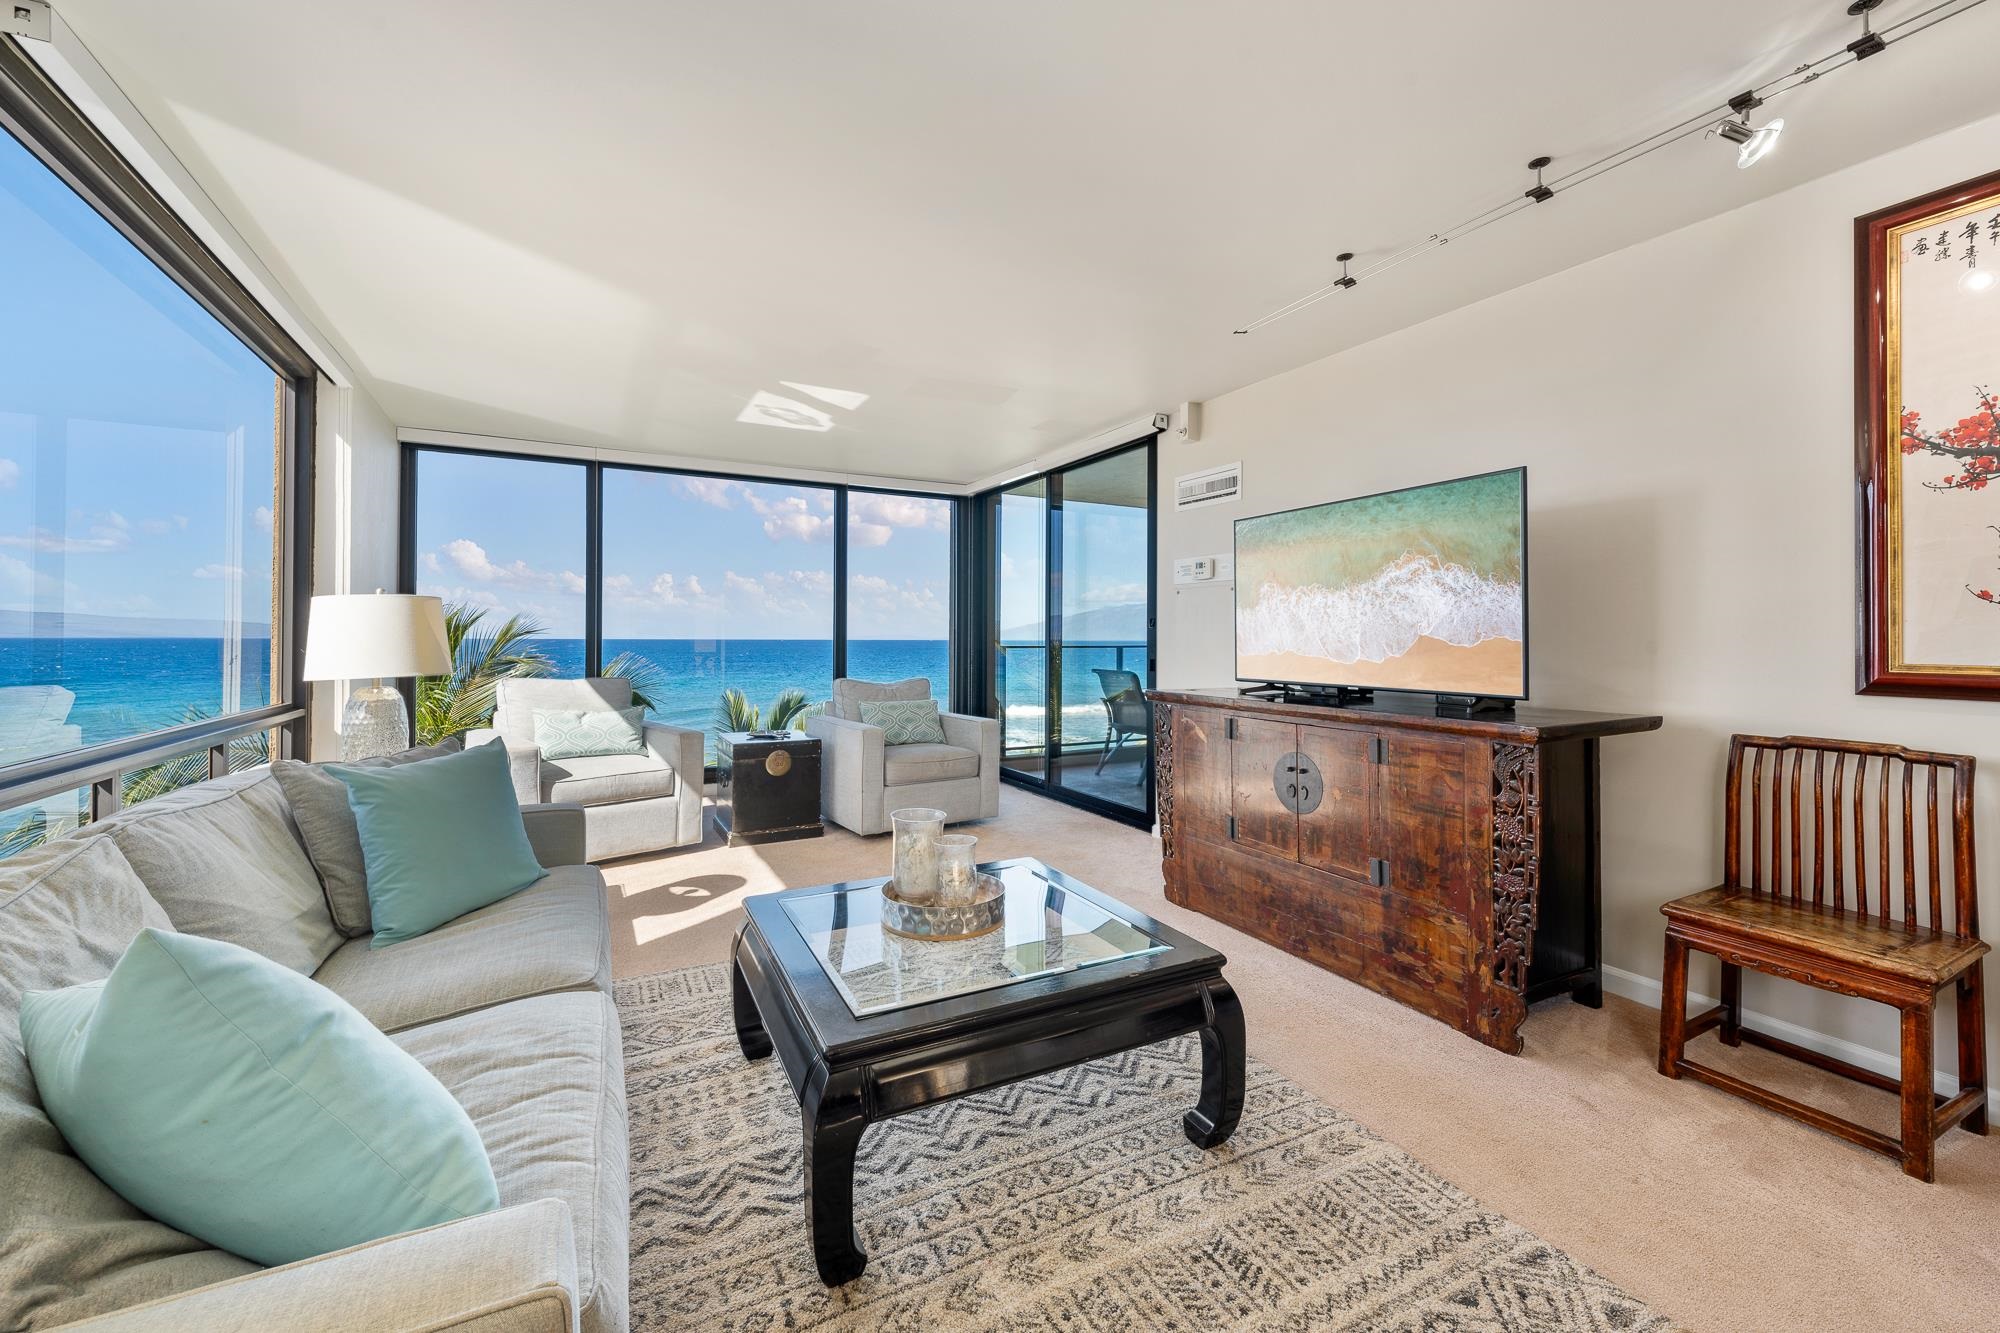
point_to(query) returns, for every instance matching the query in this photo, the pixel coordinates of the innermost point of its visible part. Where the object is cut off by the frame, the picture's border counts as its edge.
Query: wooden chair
(1793, 916)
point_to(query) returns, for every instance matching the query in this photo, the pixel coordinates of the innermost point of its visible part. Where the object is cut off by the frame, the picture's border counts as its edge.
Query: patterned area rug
(1071, 1202)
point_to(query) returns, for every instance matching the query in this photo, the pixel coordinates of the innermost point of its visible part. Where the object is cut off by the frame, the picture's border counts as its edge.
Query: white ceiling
(1010, 224)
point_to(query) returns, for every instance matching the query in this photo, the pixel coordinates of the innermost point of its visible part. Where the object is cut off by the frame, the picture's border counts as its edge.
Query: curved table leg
(750, 1034)
(1214, 1119)
(833, 1121)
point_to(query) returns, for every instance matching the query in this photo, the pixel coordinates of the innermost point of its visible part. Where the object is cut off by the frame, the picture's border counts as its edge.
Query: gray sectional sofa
(510, 1007)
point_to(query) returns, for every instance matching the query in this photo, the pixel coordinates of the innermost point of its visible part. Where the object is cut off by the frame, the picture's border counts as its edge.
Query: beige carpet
(1711, 1211)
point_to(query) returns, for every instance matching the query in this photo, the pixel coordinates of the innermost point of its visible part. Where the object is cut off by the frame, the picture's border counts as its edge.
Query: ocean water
(123, 687)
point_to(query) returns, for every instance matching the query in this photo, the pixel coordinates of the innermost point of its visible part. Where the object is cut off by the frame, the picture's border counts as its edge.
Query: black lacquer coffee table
(869, 1024)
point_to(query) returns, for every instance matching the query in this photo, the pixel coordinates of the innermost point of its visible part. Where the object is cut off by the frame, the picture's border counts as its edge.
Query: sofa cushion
(233, 1098)
(544, 1081)
(515, 701)
(606, 779)
(69, 1246)
(848, 694)
(554, 935)
(326, 825)
(904, 764)
(224, 860)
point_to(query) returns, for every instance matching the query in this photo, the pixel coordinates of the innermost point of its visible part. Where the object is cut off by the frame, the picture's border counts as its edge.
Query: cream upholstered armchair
(862, 778)
(631, 802)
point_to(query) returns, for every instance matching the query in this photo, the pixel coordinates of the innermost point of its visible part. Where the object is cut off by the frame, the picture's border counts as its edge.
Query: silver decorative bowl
(931, 921)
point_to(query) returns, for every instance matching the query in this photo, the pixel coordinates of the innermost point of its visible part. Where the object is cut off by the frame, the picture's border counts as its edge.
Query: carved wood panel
(1163, 775)
(1517, 823)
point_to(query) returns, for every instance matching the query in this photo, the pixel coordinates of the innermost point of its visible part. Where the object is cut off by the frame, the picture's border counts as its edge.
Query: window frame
(595, 470)
(37, 113)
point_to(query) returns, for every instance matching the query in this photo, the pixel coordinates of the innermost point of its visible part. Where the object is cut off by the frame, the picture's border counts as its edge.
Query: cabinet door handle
(1378, 872)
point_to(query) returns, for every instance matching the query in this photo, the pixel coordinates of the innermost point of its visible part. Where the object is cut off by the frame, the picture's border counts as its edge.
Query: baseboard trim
(1646, 990)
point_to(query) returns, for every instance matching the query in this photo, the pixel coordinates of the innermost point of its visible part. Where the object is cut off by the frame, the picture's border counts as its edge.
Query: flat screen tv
(1423, 589)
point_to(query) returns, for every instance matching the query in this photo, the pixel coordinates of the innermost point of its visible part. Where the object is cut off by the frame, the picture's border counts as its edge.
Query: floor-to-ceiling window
(724, 598)
(147, 454)
(1070, 593)
(899, 588)
(727, 587)
(501, 539)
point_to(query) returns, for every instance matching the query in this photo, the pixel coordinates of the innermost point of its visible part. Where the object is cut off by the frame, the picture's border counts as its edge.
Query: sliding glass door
(1071, 592)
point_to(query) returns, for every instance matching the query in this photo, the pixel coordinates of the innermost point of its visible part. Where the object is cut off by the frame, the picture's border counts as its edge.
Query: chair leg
(1919, 1080)
(1732, 1005)
(1104, 758)
(1673, 1007)
(1972, 1040)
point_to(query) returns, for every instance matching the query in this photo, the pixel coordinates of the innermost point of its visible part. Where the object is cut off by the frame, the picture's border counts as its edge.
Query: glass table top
(1047, 930)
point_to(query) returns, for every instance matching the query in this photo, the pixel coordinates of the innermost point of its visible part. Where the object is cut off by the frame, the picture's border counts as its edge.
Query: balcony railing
(1022, 684)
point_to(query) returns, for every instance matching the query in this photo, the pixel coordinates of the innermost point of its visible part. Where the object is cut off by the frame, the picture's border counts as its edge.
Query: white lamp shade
(357, 636)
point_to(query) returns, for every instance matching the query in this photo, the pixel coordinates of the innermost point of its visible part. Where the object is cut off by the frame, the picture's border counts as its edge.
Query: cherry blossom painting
(1929, 382)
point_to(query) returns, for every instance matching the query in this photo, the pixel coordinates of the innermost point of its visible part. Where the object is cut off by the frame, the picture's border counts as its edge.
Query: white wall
(356, 498)
(1685, 411)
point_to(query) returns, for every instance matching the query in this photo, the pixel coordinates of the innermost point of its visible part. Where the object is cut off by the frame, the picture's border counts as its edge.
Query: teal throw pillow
(440, 838)
(904, 721)
(567, 733)
(249, 1106)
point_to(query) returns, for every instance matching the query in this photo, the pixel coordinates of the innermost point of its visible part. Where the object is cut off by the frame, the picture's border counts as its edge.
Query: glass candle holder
(958, 877)
(913, 835)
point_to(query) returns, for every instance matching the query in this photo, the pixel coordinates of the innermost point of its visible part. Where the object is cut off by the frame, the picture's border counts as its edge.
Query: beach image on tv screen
(1418, 589)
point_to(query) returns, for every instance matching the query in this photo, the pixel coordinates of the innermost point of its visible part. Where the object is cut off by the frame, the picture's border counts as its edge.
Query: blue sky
(136, 434)
(684, 557)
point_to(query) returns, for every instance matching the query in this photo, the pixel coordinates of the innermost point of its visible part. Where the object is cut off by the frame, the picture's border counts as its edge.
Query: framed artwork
(1927, 421)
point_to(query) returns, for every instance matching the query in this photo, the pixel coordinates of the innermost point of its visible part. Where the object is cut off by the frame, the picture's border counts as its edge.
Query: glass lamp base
(375, 723)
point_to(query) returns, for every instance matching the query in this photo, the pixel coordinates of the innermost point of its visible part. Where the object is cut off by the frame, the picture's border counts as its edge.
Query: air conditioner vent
(1210, 486)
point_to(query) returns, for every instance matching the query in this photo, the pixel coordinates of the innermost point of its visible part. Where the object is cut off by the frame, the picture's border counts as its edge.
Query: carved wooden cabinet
(1449, 863)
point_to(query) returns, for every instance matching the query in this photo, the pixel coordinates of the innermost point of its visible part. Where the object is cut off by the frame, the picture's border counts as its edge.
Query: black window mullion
(840, 583)
(593, 570)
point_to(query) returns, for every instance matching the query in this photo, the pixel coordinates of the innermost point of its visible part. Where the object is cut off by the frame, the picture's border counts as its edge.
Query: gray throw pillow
(904, 721)
(326, 826)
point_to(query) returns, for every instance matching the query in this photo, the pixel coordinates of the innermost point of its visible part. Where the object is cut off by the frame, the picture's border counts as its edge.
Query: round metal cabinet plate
(778, 763)
(1297, 781)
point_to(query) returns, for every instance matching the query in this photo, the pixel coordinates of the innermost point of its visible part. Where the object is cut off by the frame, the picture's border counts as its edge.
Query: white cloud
(264, 517)
(10, 474)
(106, 532)
(219, 572)
(709, 490)
(471, 560)
(899, 511)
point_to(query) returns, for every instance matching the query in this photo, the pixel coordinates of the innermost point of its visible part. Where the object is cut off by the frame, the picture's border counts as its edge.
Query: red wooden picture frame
(1878, 439)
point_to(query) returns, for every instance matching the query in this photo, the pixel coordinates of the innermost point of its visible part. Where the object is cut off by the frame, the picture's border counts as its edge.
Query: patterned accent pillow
(904, 721)
(566, 733)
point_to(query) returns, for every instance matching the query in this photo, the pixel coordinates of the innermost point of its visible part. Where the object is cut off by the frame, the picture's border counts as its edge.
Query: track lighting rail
(1733, 112)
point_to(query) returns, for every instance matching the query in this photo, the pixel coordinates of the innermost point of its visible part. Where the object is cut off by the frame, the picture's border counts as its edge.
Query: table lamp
(380, 636)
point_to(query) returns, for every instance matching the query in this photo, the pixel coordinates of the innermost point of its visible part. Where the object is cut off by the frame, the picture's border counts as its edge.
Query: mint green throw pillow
(569, 733)
(249, 1106)
(904, 721)
(440, 837)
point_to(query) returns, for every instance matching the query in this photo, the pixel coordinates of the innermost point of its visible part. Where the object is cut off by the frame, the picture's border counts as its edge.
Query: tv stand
(1451, 864)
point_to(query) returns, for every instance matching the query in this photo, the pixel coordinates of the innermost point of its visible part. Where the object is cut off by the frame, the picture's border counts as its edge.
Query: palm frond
(649, 682)
(787, 710)
(453, 705)
(735, 712)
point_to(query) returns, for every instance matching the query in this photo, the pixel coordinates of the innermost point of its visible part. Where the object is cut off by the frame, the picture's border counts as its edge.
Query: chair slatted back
(1854, 825)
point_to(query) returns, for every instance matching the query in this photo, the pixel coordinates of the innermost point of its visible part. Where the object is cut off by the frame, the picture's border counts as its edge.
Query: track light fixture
(1753, 145)
(1731, 121)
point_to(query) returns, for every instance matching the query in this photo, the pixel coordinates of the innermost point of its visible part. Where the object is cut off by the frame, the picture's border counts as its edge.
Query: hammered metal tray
(926, 921)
